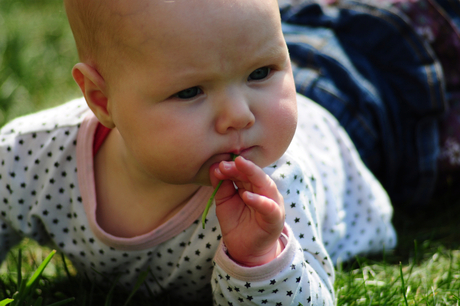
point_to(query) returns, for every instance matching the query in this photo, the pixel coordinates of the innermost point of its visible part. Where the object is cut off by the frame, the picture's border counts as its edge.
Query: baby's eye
(188, 93)
(259, 74)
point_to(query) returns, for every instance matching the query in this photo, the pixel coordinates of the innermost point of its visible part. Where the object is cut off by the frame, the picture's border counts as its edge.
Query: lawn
(36, 56)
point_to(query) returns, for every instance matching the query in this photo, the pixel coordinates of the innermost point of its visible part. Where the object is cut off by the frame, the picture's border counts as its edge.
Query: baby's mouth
(242, 152)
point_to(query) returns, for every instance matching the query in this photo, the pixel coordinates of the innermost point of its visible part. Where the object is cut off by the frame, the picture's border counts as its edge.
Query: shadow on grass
(422, 232)
(88, 293)
(433, 227)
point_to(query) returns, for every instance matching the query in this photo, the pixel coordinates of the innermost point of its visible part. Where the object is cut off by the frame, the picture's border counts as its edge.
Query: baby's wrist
(253, 261)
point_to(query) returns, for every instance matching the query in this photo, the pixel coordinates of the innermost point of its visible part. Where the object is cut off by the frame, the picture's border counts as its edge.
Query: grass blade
(211, 199)
(208, 205)
(5, 302)
(403, 287)
(108, 300)
(38, 301)
(19, 268)
(63, 302)
(66, 269)
(32, 281)
(19, 295)
(138, 284)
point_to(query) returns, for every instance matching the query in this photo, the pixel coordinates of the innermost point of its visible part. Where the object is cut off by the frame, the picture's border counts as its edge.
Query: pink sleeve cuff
(263, 272)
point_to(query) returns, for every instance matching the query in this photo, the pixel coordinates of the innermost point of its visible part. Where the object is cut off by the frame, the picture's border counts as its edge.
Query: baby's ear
(93, 87)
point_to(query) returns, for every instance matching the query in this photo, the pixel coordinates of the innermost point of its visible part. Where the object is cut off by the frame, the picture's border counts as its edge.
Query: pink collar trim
(174, 226)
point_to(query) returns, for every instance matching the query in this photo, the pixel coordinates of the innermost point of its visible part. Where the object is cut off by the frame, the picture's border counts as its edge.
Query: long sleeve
(294, 278)
(38, 175)
(356, 211)
(303, 273)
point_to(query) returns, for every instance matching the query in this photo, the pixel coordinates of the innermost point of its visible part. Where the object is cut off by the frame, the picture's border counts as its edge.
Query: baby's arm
(302, 272)
(251, 217)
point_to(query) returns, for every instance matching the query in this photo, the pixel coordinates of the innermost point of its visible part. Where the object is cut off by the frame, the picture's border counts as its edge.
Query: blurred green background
(37, 53)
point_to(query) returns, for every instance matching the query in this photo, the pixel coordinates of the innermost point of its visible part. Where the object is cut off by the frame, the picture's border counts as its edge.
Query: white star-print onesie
(335, 209)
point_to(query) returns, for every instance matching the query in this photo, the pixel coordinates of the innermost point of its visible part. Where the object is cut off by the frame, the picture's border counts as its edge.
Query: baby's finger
(270, 211)
(261, 182)
(214, 175)
(228, 171)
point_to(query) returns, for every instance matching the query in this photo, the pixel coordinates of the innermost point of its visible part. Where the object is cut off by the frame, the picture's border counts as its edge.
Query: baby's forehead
(133, 29)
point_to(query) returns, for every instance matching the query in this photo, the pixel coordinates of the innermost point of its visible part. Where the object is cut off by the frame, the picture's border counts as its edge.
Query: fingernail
(226, 165)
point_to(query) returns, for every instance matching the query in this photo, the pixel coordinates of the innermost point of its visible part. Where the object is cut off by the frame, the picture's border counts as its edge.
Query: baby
(173, 89)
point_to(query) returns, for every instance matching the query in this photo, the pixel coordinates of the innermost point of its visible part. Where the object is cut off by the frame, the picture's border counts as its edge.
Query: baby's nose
(235, 114)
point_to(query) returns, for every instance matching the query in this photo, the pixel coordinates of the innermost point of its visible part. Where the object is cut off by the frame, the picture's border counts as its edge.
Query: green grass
(37, 53)
(423, 270)
(36, 56)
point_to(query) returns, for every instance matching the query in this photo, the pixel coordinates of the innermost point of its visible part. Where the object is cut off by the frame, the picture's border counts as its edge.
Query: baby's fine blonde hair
(96, 30)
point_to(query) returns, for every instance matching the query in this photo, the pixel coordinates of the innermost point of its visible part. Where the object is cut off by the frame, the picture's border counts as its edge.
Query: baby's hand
(252, 217)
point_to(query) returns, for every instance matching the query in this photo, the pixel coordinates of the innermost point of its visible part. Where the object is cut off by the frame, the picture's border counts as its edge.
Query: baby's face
(207, 78)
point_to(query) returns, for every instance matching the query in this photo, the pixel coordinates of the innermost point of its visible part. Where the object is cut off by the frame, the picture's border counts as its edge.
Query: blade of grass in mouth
(211, 199)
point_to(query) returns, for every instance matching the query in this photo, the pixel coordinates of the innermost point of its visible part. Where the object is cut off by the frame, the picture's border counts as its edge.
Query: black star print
(272, 282)
(247, 285)
(297, 220)
(289, 293)
(292, 205)
(249, 298)
(297, 280)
